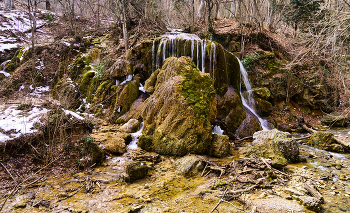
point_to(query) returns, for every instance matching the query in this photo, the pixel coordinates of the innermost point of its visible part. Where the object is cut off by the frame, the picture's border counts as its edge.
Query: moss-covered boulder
(189, 165)
(13, 64)
(335, 119)
(275, 145)
(263, 93)
(95, 153)
(249, 126)
(325, 141)
(136, 170)
(264, 107)
(177, 116)
(220, 146)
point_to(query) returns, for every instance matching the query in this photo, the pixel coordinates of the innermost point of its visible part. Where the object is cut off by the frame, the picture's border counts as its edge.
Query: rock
(335, 119)
(189, 165)
(20, 204)
(131, 126)
(262, 93)
(230, 109)
(114, 142)
(67, 92)
(177, 116)
(2, 76)
(260, 136)
(126, 95)
(275, 145)
(293, 192)
(249, 126)
(325, 141)
(220, 146)
(311, 203)
(136, 170)
(264, 107)
(96, 155)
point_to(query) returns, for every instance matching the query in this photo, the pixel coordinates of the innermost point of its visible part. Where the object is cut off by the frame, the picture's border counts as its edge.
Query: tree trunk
(200, 10)
(47, 5)
(8, 5)
(125, 30)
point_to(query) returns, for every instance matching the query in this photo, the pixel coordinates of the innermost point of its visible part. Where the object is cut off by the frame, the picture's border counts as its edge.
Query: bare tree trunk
(200, 10)
(125, 30)
(47, 5)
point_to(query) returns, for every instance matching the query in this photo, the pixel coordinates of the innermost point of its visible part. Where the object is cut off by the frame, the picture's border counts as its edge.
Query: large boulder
(67, 92)
(177, 117)
(325, 141)
(131, 126)
(114, 142)
(335, 119)
(189, 165)
(220, 146)
(249, 126)
(275, 145)
(136, 170)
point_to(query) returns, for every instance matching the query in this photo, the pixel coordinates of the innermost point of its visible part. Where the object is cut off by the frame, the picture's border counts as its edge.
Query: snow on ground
(74, 114)
(14, 27)
(38, 91)
(19, 121)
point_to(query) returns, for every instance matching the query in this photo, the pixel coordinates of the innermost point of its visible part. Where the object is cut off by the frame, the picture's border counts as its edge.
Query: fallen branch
(245, 139)
(307, 128)
(272, 169)
(314, 192)
(243, 190)
(222, 200)
(8, 173)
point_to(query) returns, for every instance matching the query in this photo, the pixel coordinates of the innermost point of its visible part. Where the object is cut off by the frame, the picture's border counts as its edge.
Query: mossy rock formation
(325, 141)
(177, 116)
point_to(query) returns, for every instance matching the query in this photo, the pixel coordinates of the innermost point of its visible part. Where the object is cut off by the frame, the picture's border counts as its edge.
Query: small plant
(218, 184)
(89, 139)
(24, 107)
(50, 17)
(249, 60)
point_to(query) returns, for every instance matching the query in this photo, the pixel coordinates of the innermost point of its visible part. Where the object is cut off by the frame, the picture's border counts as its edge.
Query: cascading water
(192, 46)
(249, 102)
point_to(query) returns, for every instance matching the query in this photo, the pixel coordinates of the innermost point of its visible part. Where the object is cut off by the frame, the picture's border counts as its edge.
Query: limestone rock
(325, 141)
(177, 115)
(67, 92)
(275, 145)
(96, 155)
(311, 203)
(20, 204)
(335, 119)
(220, 146)
(264, 107)
(262, 93)
(131, 126)
(136, 170)
(249, 126)
(189, 165)
(114, 142)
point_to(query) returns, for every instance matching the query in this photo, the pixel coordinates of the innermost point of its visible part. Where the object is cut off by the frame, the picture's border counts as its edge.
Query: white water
(249, 103)
(135, 137)
(169, 45)
(218, 130)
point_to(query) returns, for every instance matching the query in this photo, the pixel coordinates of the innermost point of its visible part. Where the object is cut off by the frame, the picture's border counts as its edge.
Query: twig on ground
(15, 189)
(222, 200)
(8, 173)
(272, 169)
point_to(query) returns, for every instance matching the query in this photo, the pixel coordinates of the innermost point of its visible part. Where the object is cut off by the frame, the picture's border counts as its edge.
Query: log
(314, 192)
(307, 128)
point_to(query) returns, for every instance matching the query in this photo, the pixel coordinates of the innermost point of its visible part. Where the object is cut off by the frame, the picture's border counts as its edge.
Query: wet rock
(20, 204)
(131, 126)
(230, 110)
(264, 107)
(177, 115)
(220, 146)
(114, 142)
(189, 165)
(249, 126)
(275, 145)
(293, 192)
(262, 93)
(335, 119)
(95, 153)
(68, 93)
(136, 170)
(325, 141)
(311, 203)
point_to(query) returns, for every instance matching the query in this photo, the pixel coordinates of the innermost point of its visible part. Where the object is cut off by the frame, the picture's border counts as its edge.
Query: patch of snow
(21, 87)
(141, 88)
(19, 121)
(117, 82)
(73, 114)
(38, 91)
(5, 73)
(66, 43)
(135, 138)
(218, 130)
(8, 46)
(118, 110)
(31, 87)
(41, 66)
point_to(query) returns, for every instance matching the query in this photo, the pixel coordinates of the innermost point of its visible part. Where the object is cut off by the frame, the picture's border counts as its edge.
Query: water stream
(249, 102)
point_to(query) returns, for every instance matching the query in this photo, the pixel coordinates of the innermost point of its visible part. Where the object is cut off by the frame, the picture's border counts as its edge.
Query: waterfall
(249, 103)
(153, 55)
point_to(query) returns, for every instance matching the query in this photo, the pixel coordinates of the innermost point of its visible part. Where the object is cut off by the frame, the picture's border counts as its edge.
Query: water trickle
(135, 137)
(153, 55)
(249, 103)
(192, 48)
(197, 54)
(164, 50)
(203, 45)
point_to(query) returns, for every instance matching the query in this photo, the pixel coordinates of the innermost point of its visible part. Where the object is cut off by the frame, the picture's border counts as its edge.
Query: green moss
(94, 151)
(76, 69)
(198, 90)
(101, 91)
(325, 141)
(85, 83)
(127, 96)
(218, 184)
(13, 64)
(136, 170)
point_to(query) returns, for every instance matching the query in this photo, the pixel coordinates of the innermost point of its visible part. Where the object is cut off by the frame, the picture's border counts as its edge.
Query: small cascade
(249, 103)
(3, 68)
(135, 138)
